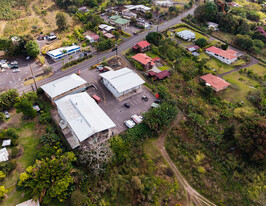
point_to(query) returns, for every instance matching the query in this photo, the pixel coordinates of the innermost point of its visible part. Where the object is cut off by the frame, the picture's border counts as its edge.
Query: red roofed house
(227, 56)
(144, 60)
(142, 46)
(215, 82)
(161, 75)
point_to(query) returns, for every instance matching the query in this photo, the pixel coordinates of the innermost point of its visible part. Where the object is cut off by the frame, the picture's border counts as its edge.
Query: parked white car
(129, 123)
(137, 119)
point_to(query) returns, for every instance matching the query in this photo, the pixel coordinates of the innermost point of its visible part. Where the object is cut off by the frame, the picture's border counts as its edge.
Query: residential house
(164, 3)
(226, 56)
(213, 26)
(62, 52)
(92, 38)
(144, 60)
(216, 83)
(141, 8)
(186, 35)
(83, 9)
(122, 81)
(66, 85)
(30, 202)
(142, 46)
(128, 15)
(109, 35)
(159, 75)
(81, 117)
(106, 28)
(193, 48)
(121, 23)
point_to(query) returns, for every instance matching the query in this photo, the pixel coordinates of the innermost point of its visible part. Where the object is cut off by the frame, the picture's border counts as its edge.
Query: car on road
(14, 66)
(7, 114)
(145, 98)
(137, 119)
(129, 123)
(127, 105)
(16, 70)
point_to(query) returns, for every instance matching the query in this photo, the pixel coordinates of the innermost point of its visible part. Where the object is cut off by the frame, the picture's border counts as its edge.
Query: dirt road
(193, 197)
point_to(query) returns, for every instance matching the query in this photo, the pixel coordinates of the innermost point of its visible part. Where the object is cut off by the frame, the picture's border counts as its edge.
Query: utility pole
(33, 78)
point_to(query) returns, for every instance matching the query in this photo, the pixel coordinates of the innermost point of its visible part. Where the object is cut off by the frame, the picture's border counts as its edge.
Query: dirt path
(193, 197)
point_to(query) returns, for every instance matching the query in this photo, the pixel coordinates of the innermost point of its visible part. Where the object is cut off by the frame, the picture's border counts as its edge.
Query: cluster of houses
(78, 114)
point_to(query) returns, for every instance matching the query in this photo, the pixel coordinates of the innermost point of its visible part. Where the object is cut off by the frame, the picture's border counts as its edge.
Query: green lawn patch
(238, 63)
(151, 55)
(165, 67)
(219, 66)
(239, 88)
(258, 69)
(203, 55)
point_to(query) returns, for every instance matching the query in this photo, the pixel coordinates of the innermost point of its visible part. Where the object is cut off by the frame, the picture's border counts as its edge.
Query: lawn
(258, 69)
(239, 88)
(165, 67)
(218, 66)
(203, 55)
(239, 63)
(28, 142)
(151, 55)
(198, 35)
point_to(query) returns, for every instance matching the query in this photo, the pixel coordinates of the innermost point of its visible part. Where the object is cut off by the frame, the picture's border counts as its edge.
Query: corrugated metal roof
(123, 79)
(30, 202)
(83, 115)
(60, 51)
(62, 85)
(3, 154)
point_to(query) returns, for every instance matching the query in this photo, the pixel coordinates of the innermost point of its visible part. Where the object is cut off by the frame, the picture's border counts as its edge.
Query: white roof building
(30, 202)
(138, 8)
(122, 81)
(63, 51)
(212, 25)
(6, 143)
(186, 35)
(3, 155)
(83, 115)
(166, 3)
(106, 27)
(63, 86)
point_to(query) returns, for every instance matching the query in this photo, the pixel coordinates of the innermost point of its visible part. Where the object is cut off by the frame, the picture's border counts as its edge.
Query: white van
(129, 123)
(137, 119)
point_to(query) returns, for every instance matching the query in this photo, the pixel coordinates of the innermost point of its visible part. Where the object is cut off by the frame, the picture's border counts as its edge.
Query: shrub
(2, 175)
(14, 152)
(3, 192)
(78, 198)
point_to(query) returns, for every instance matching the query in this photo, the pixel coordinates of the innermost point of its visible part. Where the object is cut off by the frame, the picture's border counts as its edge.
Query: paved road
(99, 57)
(193, 197)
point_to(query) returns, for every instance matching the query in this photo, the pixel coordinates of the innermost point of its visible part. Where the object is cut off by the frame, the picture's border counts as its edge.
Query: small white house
(213, 26)
(226, 56)
(164, 3)
(3, 155)
(186, 35)
(122, 81)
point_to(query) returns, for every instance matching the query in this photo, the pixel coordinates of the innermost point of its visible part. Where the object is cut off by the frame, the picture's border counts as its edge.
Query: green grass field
(258, 69)
(151, 55)
(223, 35)
(240, 86)
(165, 67)
(219, 66)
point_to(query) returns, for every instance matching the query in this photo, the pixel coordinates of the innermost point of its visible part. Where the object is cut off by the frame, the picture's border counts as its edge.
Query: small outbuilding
(6, 143)
(122, 81)
(3, 155)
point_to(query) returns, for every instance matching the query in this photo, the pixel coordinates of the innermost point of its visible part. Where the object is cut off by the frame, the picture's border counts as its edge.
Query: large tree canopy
(206, 12)
(154, 38)
(32, 48)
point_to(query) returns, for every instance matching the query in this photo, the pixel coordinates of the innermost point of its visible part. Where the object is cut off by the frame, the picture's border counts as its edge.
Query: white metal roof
(186, 34)
(6, 142)
(30, 202)
(3, 154)
(83, 115)
(123, 79)
(61, 50)
(138, 7)
(62, 85)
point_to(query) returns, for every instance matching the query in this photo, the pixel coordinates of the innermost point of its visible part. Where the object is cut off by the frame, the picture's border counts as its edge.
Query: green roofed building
(122, 23)
(115, 17)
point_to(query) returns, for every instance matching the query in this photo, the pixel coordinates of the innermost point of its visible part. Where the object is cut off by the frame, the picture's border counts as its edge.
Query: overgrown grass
(223, 35)
(150, 54)
(165, 67)
(240, 86)
(258, 69)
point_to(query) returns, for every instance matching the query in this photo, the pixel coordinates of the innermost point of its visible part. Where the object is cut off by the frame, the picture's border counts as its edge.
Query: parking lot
(114, 108)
